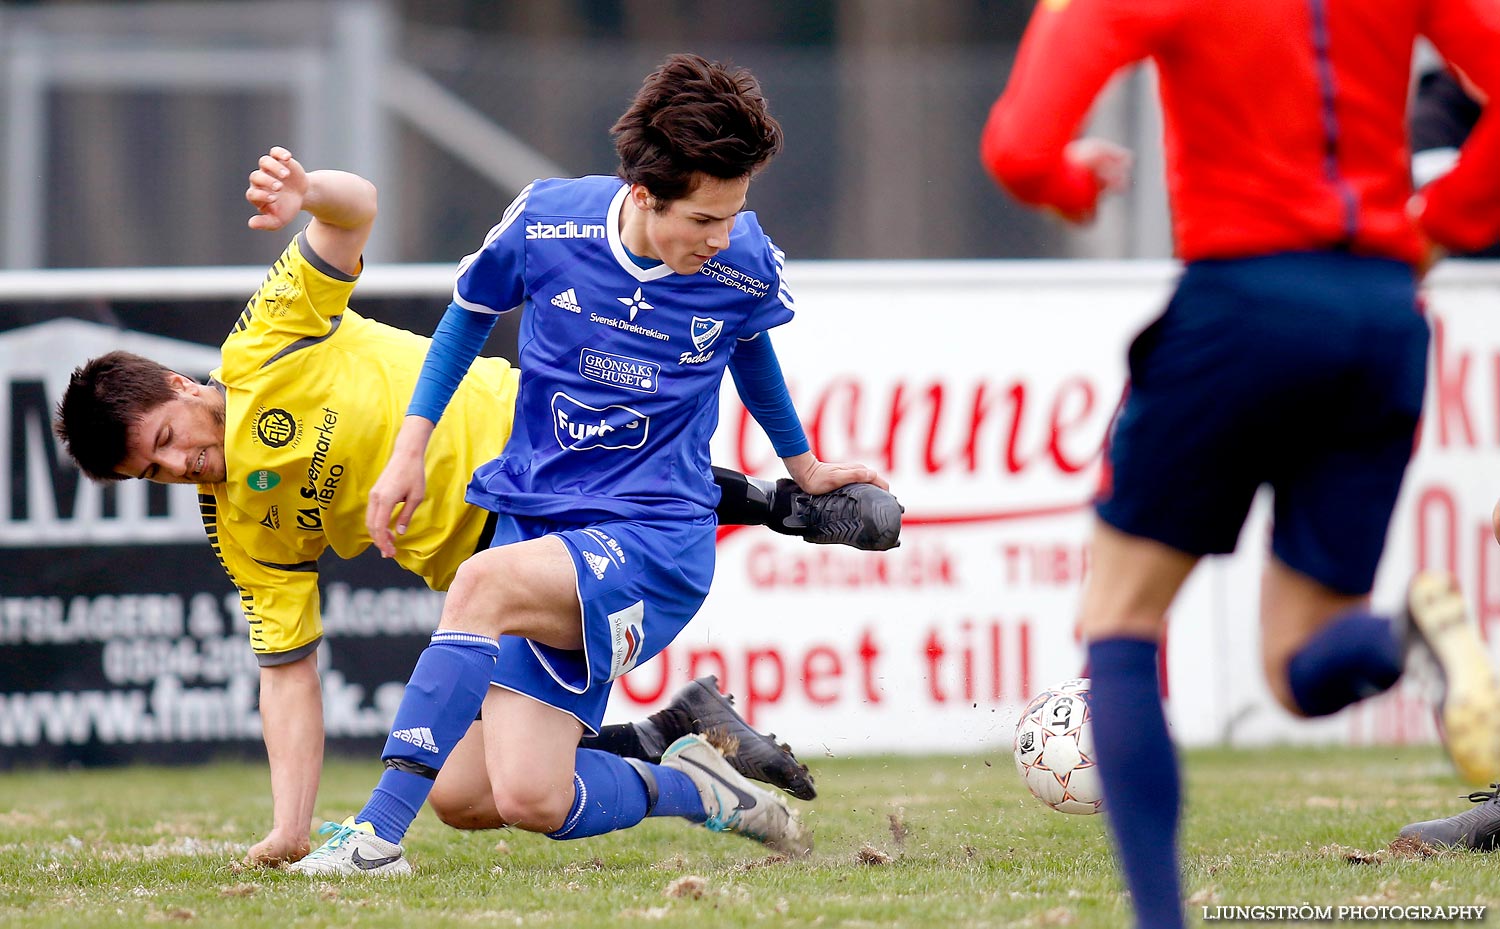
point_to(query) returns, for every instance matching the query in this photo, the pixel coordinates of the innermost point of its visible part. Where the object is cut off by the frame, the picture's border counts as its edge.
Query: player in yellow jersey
(280, 441)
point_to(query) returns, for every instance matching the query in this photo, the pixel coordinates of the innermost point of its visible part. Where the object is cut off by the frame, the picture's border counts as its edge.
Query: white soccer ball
(1054, 749)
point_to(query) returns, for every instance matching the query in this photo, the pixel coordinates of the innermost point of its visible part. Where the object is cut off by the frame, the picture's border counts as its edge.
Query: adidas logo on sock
(420, 736)
(596, 563)
(567, 300)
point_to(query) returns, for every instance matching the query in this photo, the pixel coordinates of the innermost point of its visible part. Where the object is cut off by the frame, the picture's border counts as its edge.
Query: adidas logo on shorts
(420, 736)
(567, 300)
(596, 563)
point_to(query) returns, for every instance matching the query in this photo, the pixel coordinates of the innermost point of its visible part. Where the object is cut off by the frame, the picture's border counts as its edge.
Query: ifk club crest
(706, 331)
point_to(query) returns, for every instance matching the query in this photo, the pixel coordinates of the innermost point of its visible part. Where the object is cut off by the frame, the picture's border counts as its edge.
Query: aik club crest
(705, 331)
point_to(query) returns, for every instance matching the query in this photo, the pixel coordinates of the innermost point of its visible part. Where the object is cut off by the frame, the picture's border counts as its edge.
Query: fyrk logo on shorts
(580, 427)
(275, 428)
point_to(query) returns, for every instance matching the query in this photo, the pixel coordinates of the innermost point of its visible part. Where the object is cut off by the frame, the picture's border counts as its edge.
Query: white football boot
(353, 850)
(734, 804)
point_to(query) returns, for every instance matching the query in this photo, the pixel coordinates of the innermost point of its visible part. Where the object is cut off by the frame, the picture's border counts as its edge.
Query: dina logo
(262, 481)
(580, 427)
(275, 428)
(705, 331)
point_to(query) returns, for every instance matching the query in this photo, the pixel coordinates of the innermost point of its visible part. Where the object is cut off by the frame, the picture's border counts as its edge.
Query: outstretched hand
(820, 477)
(278, 187)
(402, 484)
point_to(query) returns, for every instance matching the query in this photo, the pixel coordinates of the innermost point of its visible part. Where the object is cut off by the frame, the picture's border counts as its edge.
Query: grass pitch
(936, 841)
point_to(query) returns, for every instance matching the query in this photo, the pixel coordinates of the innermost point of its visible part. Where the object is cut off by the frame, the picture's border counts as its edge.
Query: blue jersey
(620, 365)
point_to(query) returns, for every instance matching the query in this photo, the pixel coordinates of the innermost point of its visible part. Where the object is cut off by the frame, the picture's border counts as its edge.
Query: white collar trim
(612, 230)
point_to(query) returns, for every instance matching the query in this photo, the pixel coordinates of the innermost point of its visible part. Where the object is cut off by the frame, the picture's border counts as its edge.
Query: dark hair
(103, 399)
(694, 115)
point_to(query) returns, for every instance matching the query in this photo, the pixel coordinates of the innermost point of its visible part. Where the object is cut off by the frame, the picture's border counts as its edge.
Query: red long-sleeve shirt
(1285, 119)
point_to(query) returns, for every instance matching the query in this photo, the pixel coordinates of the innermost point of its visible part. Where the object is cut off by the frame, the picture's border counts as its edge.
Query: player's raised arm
(342, 206)
(757, 375)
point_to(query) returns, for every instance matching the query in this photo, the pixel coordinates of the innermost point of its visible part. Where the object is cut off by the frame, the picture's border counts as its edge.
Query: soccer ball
(1055, 749)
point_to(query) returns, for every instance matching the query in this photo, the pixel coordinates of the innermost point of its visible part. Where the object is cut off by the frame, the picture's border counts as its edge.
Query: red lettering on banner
(1486, 589)
(698, 657)
(759, 674)
(1495, 368)
(955, 665)
(868, 652)
(823, 420)
(1025, 662)
(756, 689)
(770, 566)
(822, 663)
(1062, 425)
(1437, 522)
(966, 629)
(906, 431)
(996, 655)
(1397, 717)
(977, 414)
(1450, 377)
(633, 684)
(935, 653)
(1047, 564)
(930, 462)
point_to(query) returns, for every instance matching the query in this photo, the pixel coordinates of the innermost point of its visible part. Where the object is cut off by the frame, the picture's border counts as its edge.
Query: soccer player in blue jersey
(640, 290)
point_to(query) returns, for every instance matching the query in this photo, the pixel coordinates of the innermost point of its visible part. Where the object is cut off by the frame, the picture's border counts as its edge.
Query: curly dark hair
(692, 115)
(103, 398)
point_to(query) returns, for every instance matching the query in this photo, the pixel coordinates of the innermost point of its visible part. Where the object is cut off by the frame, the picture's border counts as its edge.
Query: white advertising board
(983, 392)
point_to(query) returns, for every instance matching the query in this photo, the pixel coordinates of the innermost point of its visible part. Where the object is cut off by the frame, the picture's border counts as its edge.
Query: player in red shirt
(1292, 352)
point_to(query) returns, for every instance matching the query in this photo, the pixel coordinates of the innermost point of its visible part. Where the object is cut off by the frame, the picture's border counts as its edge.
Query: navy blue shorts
(1304, 371)
(639, 583)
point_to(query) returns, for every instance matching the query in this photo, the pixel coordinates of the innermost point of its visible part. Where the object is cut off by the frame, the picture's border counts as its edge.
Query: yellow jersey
(314, 395)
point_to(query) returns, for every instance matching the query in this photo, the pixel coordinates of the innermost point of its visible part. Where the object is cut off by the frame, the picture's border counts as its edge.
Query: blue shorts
(1304, 371)
(639, 583)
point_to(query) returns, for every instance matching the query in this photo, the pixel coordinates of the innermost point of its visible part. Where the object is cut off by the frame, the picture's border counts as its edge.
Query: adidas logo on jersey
(597, 564)
(420, 736)
(567, 300)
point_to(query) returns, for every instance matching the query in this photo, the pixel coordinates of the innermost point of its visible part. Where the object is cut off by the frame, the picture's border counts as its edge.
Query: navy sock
(611, 794)
(1138, 766)
(1352, 657)
(443, 695)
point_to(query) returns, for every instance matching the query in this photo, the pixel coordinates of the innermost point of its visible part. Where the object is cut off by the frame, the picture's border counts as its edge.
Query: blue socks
(1138, 765)
(443, 695)
(1351, 658)
(611, 794)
